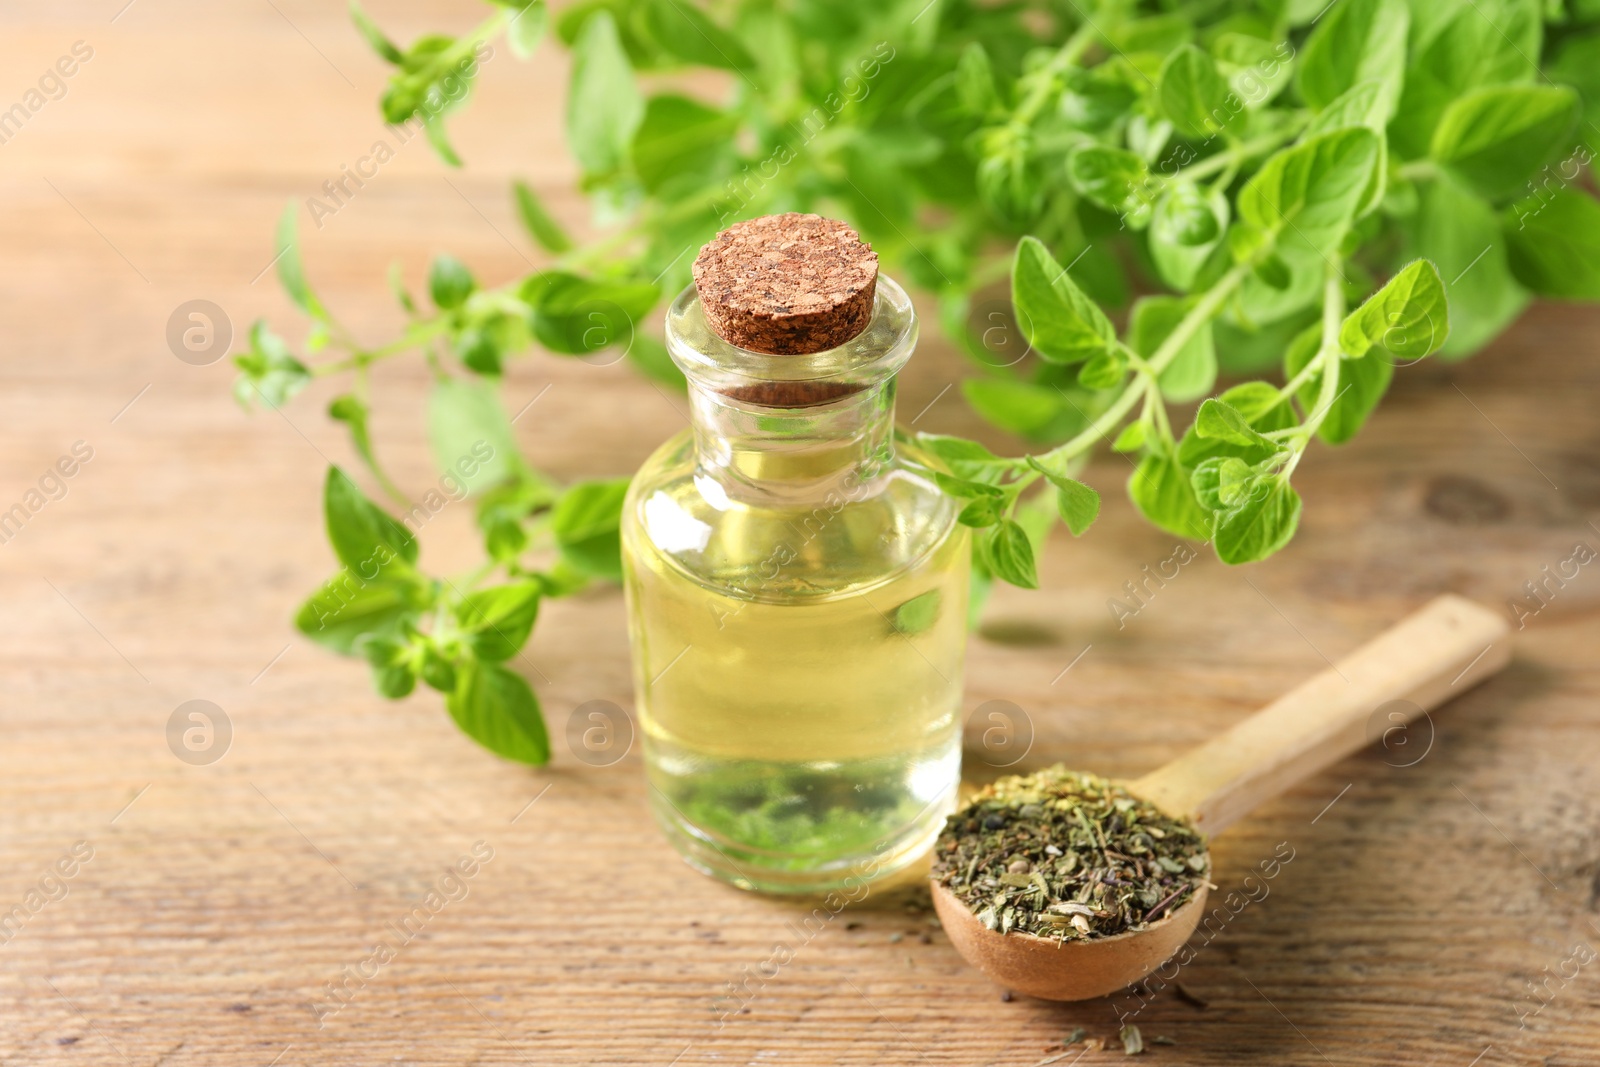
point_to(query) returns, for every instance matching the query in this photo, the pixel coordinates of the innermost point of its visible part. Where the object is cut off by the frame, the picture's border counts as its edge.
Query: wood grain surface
(1440, 907)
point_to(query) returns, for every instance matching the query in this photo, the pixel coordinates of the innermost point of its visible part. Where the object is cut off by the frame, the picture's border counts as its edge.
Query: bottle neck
(844, 444)
(779, 427)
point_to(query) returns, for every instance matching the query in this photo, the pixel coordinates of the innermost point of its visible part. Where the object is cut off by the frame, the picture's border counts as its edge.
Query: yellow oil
(799, 676)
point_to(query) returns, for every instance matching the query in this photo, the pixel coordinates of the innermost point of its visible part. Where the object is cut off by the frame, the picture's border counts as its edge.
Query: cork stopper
(788, 284)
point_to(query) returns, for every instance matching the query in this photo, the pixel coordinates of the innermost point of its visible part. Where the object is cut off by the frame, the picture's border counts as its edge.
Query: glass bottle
(797, 595)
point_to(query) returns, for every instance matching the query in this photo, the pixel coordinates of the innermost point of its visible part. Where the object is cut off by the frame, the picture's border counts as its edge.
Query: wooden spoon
(1435, 654)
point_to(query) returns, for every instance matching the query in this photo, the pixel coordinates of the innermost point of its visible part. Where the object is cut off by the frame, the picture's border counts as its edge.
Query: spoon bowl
(1066, 970)
(1428, 658)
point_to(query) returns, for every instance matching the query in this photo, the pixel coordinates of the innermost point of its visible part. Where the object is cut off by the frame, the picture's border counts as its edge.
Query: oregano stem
(1327, 362)
(1292, 386)
(1043, 87)
(418, 333)
(1418, 170)
(1159, 408)
(1204, 310)
(1238, 154)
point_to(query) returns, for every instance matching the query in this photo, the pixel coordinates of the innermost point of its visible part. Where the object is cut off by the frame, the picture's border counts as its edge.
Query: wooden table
(221, 901)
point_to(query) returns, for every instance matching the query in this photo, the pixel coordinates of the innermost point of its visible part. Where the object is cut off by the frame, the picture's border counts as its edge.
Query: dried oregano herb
(1069, 856)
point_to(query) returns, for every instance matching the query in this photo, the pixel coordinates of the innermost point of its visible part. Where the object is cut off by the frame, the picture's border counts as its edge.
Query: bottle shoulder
(837, 537)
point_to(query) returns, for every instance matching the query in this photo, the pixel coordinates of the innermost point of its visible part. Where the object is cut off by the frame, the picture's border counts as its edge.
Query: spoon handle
(1430, 657)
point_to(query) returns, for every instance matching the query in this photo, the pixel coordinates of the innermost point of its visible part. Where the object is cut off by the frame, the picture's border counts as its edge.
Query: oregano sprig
(1227, 227)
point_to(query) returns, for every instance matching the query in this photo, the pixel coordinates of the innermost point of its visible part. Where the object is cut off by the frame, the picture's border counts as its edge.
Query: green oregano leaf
(1553, 245)
(1463, 235)
(479, 351)
(1363, 104)
(1257, 69)
(1160, 489)
(581, 316)
(437, 670)
(1309, 193)
(981, 510)
(1077, 503)
(1059, 320)
(682, 144)
(1131, 437)
(966, 459)
(526, 28)
(1262, 406)
(397, 286)
(1025, 408)
(363, 535)
(1494, 139)
(1360, 105)
(374, 36)
(498, 709)
(1218, 420)
(603, 103)
(1223, 483)
(395, 681)
(1408, 317)
(1112, 178)
(1206, 481)
(975, 80)
(449, 281)
(1261, 526)
(969, 490)
(353, 412)
(346, 608)
(471, 437)
(1235, 479)
(1009, 554)
(1466, 47)
(586, 523)
(291, 269)
(434, 129)
(1193, 371)
(1186, 227)
(541, 226)
(1103, 371)
(269, 372)
(496, 621)
(684, 32)
(1193, 92)
(1355, 41)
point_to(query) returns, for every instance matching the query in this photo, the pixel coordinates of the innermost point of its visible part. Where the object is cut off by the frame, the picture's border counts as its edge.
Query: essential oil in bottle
(796, 581)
